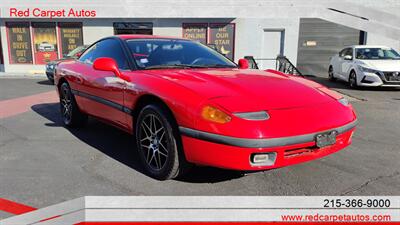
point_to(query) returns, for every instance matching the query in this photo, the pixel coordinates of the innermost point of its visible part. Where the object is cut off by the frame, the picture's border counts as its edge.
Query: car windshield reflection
(170, 53)
(376, 54)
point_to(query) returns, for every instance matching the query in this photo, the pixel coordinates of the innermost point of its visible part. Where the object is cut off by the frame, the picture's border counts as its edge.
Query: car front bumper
(235, 153)
(375, 80)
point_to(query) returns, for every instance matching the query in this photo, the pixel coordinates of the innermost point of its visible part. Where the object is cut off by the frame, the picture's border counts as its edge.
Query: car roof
(369, 46)
(144, 36)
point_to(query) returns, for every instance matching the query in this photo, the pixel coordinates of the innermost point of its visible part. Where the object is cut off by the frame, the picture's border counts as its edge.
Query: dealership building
(307, 32)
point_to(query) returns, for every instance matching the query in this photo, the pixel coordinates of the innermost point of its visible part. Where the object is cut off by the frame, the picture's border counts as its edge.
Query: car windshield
(171, 53)
(376, 53)
(77, 50)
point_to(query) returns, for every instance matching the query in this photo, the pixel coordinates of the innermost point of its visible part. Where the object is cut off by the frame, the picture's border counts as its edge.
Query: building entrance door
(272, 46)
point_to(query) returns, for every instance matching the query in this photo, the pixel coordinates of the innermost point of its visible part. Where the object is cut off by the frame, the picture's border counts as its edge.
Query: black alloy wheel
(159, 143)
(70, 113)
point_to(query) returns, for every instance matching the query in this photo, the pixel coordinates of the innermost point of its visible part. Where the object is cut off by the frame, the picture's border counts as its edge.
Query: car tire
(353, 80)
(70, 113)
(330, 74)
(51, 79)
(159, 143)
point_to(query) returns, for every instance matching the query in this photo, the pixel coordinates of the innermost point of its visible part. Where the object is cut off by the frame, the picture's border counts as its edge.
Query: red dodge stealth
(188, 104)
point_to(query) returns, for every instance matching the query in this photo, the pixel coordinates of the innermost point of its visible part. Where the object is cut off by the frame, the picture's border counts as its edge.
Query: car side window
(341, 53)
(349, 52)
(110, 48)
(88, 55)
(346, 51)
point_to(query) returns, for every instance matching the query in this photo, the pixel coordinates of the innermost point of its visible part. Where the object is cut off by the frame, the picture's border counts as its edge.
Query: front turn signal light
(213, 114)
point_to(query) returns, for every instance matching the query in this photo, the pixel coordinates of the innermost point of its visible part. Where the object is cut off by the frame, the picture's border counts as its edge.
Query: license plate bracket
(326, 139)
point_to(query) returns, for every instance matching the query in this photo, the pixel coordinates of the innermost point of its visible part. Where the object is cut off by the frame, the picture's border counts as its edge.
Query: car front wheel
(353, 79)
(330, 74)
(158, 143)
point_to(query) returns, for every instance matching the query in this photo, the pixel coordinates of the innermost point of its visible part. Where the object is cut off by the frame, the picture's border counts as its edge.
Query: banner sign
(215, 210)
(195, 32)
(51, 13)
(19, 42)
(70, 36)
(223, 37)
(45, 42)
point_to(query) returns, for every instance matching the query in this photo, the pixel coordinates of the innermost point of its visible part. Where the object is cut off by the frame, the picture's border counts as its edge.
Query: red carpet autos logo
(51, 13)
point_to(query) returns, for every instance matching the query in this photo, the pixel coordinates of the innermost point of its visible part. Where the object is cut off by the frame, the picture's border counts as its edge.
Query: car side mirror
(243, 64)
(348, 57)
(108, 64)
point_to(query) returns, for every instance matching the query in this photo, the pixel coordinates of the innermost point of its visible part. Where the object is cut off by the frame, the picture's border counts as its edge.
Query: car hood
(238, 90)
(382, 65)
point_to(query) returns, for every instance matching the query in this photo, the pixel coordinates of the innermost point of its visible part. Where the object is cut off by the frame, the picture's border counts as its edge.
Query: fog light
(260, 158)
(263, 159)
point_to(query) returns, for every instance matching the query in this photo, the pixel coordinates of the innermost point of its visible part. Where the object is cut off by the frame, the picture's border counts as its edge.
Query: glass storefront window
(195, 32)
(70, 36)
(19, 42)
(45, 42)
(223, 37)
(219, 36)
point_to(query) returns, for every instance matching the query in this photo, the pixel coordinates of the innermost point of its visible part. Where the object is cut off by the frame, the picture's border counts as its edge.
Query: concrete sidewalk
(22, 75)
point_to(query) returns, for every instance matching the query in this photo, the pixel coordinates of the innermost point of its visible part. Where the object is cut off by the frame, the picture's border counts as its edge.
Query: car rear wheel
(330, 74)
(353, 79)
(70, 113)
(158, 143)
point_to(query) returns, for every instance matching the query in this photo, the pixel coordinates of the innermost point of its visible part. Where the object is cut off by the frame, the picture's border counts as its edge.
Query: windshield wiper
(163, 67)
(173, 66)
(190, 65)
(220, 66)
(207, 66)
(180, 66)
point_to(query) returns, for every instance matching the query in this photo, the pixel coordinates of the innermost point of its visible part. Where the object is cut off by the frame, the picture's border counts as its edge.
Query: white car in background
(364, 65)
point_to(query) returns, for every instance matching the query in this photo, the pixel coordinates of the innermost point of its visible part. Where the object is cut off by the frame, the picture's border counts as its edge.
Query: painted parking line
(14, 207)
(15, 106)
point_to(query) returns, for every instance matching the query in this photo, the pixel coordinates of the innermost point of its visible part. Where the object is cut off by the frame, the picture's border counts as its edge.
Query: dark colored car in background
(50, 67)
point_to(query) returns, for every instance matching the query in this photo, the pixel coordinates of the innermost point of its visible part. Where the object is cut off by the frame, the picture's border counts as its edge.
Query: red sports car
(187, 104)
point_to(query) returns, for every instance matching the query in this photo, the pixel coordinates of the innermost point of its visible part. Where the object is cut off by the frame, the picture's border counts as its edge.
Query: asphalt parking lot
(43, 163)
